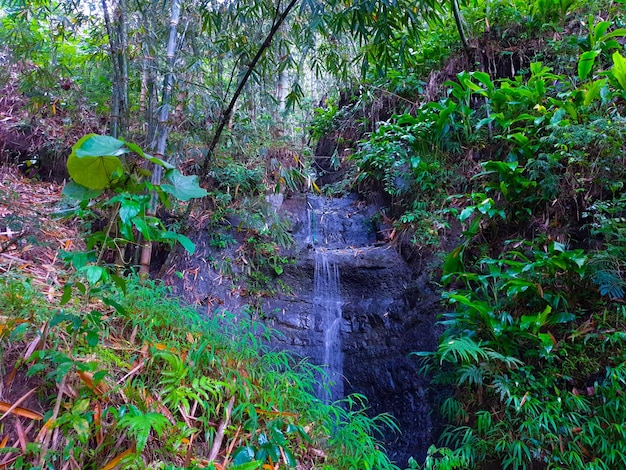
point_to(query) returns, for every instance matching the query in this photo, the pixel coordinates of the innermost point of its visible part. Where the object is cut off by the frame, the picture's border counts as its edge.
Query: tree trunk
(115, 92)
(118, 43)
(161, 140)
(458, 19)
(122, 59)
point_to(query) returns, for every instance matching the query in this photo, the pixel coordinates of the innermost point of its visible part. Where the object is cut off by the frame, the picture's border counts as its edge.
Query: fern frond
(461, 350)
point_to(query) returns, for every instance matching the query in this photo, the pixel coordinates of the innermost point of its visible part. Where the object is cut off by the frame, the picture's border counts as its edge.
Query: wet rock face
(388, 311)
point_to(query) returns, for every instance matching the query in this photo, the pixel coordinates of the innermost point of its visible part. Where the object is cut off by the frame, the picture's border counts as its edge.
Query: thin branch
(229, 109)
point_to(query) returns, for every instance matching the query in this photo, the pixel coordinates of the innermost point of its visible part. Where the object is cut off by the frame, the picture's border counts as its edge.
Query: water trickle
(327, 297)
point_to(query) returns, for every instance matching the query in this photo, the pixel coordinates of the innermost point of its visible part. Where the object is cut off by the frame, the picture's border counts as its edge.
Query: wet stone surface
(388, 311)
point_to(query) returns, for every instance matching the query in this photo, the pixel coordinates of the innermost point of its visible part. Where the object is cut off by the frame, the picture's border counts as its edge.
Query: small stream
(327, 296)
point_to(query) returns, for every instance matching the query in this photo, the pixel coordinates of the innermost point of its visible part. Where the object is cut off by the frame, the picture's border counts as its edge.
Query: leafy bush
(533, 345)
(412, 170)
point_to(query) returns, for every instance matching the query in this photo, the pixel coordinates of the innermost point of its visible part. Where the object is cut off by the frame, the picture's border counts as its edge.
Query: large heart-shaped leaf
(93, 162)
(79, 192)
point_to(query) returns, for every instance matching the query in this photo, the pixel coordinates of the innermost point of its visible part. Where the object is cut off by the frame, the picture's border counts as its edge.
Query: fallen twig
(219, 436)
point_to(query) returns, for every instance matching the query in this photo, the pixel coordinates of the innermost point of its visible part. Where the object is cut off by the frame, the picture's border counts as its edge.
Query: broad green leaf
(529, 322)
(290, 458)
(558, 116)
(94, 273)
(547, 341)
(94, 145)
(186, 243)
(244, 455)
(182, 187)
(81, 406)
(277, 436)
(247, 466)
(268, 450)
(481, 307)
(585, 64)
(619, 69)
(619, 32)
(453, 262)
(93, 338)
(128, 210)
(91, 166)
(112, 303)
(562, 317)
(466, 213)
(142, 226)
(593, 91)
(67, 294)
(79, 192)
(81, 426)
(483, 78)
(120, 282)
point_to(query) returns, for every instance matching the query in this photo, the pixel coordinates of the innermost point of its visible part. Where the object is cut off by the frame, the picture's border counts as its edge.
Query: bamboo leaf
(7, 408)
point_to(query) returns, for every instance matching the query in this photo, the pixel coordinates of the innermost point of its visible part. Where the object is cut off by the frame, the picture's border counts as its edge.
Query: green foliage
(412, 169)
(160, 385)
(324, 119)
(532, 346)
(95, 166)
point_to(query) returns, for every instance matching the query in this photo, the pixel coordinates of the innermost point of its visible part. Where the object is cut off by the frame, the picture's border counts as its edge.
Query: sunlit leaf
(585, 64)
(619, 69)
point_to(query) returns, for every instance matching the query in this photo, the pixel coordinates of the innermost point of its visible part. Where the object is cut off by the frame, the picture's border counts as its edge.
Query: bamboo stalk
(161, 139)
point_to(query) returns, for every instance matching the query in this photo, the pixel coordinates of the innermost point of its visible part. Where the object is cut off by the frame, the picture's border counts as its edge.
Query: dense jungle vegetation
(493, 130)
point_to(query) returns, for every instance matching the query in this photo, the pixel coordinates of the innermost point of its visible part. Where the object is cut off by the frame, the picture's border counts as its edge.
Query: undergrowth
(125, 376)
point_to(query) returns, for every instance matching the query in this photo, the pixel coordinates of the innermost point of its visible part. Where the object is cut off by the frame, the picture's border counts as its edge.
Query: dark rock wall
(389, 310)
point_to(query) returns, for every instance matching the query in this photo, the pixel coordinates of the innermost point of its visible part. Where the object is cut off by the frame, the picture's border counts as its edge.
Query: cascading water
(327, 297)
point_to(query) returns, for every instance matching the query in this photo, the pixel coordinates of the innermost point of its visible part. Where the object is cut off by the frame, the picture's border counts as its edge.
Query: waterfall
(327, 297)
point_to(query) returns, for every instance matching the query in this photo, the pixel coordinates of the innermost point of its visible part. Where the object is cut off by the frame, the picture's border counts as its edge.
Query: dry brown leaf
(21, 435)
(97, 421)
(17, 410)
(3, 444)
(100, 389)
(116, 460)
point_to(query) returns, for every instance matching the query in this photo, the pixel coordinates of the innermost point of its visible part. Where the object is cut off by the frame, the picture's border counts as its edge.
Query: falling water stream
(327, 297)
(327, 302)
